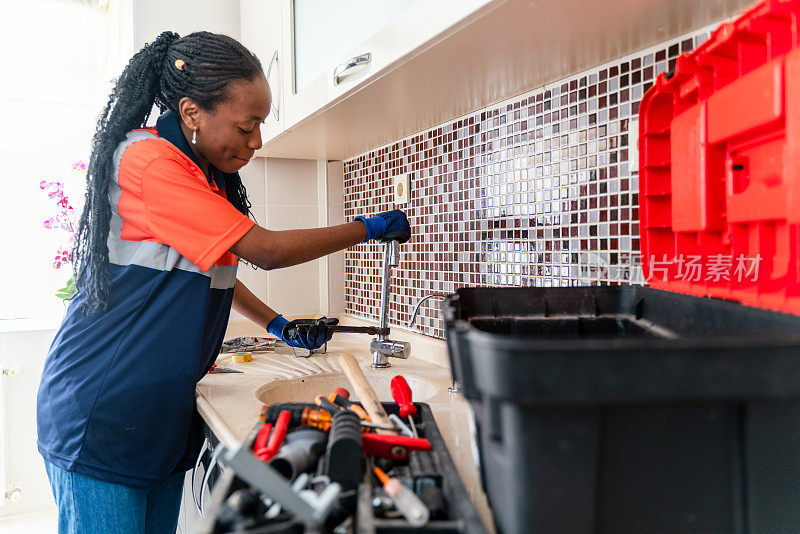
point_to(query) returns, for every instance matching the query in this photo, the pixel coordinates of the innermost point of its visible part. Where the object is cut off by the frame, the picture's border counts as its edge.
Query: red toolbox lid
(719, 178)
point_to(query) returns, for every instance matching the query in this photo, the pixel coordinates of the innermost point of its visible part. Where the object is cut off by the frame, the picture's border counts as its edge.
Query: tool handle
(279, 432)
(262, 437)
(326, 404)
(338, 400)
(365, 392)
(404, 499)
(401, 394)
(370, 330)
(317, 418)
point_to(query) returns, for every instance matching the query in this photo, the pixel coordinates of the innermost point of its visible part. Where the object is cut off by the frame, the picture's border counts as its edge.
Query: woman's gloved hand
(307, 334)
(387, 226)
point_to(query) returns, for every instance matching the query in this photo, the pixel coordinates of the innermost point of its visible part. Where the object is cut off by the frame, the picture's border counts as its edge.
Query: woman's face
(228, 136)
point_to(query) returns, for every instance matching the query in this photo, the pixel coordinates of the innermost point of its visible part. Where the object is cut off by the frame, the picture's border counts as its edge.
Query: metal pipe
(391, 258)
(454, 386)
(423, 299)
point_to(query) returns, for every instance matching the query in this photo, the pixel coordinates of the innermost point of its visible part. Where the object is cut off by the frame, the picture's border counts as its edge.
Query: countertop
(228, 402)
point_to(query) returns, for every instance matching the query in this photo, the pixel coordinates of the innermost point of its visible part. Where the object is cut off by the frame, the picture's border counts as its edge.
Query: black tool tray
(630, 409)
(459, 516)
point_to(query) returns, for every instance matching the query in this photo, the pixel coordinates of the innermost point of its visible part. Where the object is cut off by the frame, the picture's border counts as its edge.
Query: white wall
(292, 202)
(293, 194)
(334, 211)
(254, 179)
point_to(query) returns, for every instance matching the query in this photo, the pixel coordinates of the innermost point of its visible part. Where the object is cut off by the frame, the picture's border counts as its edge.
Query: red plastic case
(720, 164)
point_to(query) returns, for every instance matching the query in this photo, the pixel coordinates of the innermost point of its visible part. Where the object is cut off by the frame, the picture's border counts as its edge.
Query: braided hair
(210, 62)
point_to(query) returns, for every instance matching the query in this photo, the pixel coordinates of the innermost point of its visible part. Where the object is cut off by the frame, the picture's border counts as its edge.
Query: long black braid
(211, 62)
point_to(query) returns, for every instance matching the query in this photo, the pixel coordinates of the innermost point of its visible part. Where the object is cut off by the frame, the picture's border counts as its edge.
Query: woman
(158, 243)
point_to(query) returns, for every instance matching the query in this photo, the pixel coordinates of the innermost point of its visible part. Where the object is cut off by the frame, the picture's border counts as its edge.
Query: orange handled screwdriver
(307, 416)
(344, 402)
(323, 402)
(401, 394)
(317, 418)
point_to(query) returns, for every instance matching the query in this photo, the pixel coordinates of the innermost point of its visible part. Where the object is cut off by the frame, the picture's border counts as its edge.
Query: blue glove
(307, 334)
(387, 226)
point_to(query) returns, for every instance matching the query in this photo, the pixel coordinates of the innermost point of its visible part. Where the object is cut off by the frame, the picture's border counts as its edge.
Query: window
(57, 62)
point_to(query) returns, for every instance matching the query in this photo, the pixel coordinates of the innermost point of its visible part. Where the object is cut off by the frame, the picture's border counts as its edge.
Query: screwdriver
(323, 402)
(318, 418)
(327, 405)
(401, 394)
(308, 415)
(404, 499)
(338, 400)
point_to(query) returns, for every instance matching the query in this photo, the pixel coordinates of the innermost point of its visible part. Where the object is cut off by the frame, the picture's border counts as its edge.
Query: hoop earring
(194, 137)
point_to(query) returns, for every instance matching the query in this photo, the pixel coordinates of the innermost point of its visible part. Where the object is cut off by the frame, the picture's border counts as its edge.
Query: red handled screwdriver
(401, 394)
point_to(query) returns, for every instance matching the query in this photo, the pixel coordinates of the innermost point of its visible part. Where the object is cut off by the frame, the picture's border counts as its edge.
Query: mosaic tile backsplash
(540, 190)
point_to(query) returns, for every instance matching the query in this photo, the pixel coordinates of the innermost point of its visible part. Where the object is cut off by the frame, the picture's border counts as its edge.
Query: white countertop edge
(215, 421)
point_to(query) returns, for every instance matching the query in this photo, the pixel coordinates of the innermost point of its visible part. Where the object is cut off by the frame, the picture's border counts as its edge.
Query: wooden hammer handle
(365, 392)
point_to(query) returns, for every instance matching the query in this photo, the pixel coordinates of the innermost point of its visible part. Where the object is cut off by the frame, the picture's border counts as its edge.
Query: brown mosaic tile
(537, 191)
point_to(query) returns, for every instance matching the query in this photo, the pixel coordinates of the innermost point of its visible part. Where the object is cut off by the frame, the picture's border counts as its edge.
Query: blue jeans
(89, 505)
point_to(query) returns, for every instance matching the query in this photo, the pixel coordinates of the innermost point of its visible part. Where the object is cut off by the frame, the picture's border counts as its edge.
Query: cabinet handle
(346, 68)
(275, 108)
(203, 450)
(211, 464)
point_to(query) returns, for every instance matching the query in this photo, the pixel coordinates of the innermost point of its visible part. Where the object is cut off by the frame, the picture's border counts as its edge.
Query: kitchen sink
(305, 388)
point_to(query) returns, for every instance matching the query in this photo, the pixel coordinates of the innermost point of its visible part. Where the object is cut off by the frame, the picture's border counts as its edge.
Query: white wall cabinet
(262, 33)
(325, 32)
(442, 59)
(397, 39)
(314, 36)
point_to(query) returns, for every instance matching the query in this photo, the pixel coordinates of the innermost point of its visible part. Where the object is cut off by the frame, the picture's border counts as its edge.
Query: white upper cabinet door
(327, 31)
(262, 33)
(333, 48)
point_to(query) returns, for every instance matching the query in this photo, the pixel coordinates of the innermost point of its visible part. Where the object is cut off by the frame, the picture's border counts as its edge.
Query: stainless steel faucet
(382, 347)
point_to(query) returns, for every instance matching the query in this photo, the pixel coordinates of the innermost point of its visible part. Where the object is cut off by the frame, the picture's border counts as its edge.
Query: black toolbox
(435, 467)
(630, 409)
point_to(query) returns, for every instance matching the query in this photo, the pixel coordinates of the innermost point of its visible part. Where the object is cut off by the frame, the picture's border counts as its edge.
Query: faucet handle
(401, 349)
(387, 347)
